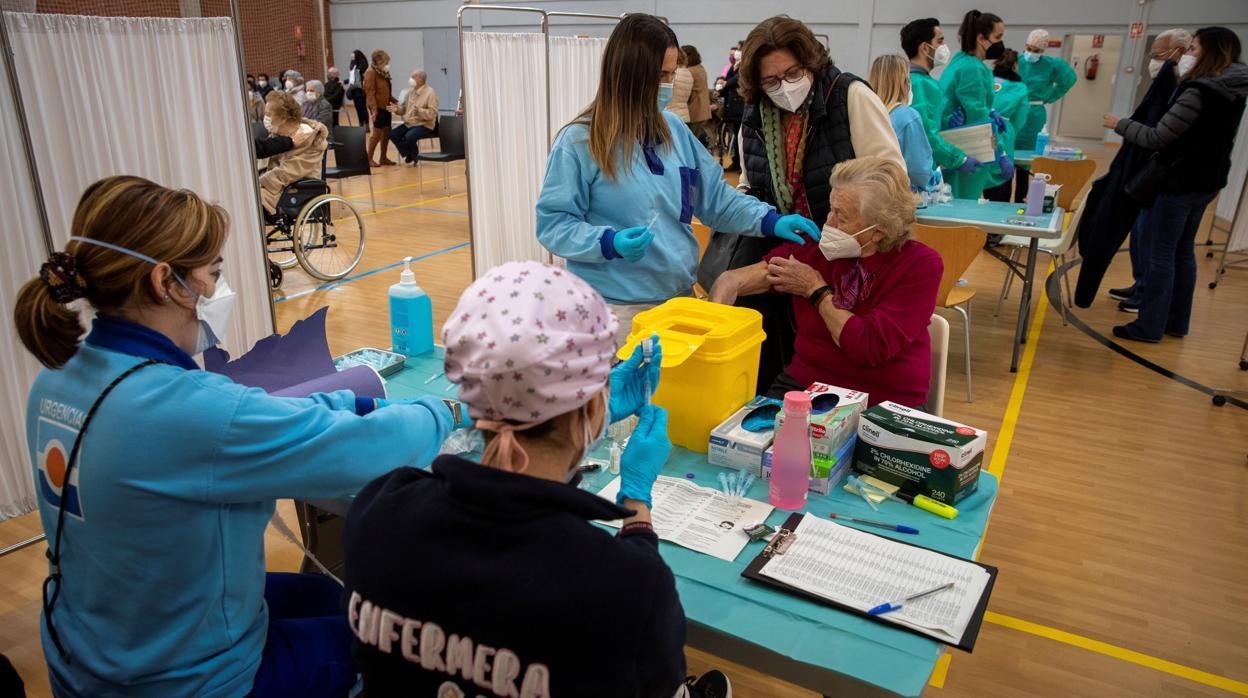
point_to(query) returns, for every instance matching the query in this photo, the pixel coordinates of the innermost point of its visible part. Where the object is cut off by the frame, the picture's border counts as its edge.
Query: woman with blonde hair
(863, 298)
(890, 76)
(379, 96)
(283, 117)
(625, 179)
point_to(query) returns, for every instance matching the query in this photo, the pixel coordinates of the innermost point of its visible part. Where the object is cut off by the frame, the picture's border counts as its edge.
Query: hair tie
(503, 449)
(60, 275)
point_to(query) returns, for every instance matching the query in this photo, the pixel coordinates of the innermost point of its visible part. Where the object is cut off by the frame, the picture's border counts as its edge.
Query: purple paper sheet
(361, 380)
(295, 364)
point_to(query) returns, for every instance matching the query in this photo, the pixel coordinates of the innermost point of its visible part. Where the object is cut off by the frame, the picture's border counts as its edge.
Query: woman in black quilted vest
(802, 117)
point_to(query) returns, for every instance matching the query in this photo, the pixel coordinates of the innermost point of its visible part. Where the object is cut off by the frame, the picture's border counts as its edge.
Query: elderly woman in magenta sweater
(862, 299)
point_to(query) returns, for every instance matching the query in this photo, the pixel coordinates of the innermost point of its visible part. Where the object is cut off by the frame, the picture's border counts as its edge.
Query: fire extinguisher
(1091, 65)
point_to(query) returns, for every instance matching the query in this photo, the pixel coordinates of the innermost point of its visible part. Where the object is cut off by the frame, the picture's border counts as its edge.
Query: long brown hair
(1219, 48)
(773, 35)
(625, 112)
(174, 226)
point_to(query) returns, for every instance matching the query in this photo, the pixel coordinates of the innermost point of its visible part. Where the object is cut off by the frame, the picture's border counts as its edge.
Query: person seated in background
(293, 83)
(472, 570)
(317, 108)
(335, 93)
(263, 86)
(890, 76)
(255, 103)
(282, 117)
(862, 299)
(418, 113)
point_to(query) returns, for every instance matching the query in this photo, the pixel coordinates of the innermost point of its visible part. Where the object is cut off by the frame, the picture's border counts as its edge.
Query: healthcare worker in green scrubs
(1010, 102)
(1048, 79)
(969, 88)
(924, 43)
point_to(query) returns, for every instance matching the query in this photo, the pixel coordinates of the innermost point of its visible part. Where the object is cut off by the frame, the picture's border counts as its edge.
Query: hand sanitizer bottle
(411, 315)
(1042, 141)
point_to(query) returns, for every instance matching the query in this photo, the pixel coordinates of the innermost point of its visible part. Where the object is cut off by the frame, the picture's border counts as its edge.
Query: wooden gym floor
(1119, 531)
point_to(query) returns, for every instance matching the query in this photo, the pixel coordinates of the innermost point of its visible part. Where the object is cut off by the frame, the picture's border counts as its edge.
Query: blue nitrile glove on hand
(968, 166)
(643, 458)
(792, 226)
(631, 243)
(957, 119)
(628, 383)
(1006, 165)
(997, 120)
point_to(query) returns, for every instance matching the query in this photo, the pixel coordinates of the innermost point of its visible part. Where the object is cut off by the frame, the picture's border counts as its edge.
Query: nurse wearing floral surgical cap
(498, 564)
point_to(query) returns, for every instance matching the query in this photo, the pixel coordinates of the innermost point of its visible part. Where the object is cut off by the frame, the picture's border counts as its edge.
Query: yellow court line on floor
(1126, 655)
(414, 204)
(1005, 436)
(355, 197)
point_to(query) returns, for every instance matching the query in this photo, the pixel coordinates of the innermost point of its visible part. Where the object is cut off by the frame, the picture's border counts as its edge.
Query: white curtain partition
(507, 132)
(174, 116)
(24, 251)
(575, 64)
(1228, 202)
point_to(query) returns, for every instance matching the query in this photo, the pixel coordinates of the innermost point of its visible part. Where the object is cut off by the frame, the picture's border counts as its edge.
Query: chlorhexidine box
(919, 452)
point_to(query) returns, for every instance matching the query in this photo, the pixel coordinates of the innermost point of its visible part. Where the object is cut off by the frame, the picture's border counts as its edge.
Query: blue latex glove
(1006, 165)
(628, 383)
(957, 119)
(792, 226)
(631, 243)
(969, 165)
(997, 120)
(645, 455)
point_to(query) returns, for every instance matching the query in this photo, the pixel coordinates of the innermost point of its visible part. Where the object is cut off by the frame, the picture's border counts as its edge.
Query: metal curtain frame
(545, 16)
(23, 125)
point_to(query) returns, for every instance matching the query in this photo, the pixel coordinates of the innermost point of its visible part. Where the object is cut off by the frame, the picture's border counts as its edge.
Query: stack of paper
(976, 141)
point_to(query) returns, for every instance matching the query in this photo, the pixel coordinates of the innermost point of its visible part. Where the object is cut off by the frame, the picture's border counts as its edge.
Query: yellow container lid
(686, 326)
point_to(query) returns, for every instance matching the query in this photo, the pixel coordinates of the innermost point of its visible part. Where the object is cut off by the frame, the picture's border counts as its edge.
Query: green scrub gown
(1047, 80)
(967, 83)
(929, 102)
(1010, 102)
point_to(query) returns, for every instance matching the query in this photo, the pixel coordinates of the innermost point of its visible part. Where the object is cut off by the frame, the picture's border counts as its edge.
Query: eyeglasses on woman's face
(793, 74)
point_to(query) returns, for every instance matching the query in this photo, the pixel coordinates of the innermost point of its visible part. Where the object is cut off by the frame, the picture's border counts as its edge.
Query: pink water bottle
(790, 464)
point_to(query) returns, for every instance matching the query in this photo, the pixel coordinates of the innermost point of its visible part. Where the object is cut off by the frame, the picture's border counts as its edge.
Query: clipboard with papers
(855, 571)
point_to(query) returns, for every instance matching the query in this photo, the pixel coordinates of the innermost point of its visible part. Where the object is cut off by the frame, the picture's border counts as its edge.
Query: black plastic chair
(351, 158)
(451, 138)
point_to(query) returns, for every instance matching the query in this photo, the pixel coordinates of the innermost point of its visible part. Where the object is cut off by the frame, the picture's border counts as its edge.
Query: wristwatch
(817, 295)
(457, 410)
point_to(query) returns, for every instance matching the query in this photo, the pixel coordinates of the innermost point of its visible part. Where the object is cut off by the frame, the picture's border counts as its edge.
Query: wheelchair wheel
(280, 247)
(275, 275)
(329, 237)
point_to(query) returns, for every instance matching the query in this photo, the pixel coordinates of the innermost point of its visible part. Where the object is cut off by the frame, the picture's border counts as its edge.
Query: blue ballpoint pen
(900, 528)
(897, 605)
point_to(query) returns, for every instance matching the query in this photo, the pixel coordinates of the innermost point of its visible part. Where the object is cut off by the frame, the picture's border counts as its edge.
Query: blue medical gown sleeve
(274, 448)
(564, 203)
(915, 147)
(719, 205)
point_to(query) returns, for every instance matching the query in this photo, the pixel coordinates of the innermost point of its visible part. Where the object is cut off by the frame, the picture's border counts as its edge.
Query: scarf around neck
(786, 155)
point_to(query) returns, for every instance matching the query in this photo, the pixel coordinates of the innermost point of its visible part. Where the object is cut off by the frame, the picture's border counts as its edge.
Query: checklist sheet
(860, 570)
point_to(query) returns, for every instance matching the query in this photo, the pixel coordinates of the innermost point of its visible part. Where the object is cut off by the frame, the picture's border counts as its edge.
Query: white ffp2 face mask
(1185, 63)
(214, 314)
(1154, 67)
(790, 96)
(940, 56)
(836, 244)
(268, 123)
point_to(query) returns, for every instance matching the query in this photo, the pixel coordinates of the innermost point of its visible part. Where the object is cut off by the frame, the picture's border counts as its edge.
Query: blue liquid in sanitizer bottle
(411, 315)
(1042, 141)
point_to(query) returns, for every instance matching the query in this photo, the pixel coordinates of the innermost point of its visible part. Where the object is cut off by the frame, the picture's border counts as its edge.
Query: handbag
(1143, 185)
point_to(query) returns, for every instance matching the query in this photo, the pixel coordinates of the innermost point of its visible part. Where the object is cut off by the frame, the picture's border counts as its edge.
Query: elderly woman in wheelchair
(306, 224)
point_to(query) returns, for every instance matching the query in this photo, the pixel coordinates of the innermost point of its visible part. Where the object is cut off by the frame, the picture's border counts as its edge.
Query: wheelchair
(316, 229)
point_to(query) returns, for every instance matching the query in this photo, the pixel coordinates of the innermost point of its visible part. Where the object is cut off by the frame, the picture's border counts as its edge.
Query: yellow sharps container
(710, 363)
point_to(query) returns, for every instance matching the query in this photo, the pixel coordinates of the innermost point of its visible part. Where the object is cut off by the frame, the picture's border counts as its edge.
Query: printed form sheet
(698, 518)
(862, 571)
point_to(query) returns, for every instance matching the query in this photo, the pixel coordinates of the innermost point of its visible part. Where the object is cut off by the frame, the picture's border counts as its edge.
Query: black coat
(508, 565)
(1109, 212)
(334, 92)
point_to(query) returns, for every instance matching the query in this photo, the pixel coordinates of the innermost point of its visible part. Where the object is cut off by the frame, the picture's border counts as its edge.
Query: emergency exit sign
(1098, 41)
(1136, 31)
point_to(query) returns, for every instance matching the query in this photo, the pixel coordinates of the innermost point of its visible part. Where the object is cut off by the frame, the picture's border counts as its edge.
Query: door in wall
(442, 64)
(1095, 58)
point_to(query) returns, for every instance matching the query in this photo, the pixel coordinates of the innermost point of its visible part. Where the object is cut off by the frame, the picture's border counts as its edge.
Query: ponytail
(974, 25)
(48, 329)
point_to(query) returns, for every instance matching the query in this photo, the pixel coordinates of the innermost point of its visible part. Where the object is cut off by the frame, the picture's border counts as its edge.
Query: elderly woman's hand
(302, 135)
(792, 276)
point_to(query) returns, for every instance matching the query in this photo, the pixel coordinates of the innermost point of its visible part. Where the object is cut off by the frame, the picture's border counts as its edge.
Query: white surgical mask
(1031, 57)
(838, 244)
(212, 312)
(790, 96)
(268, 122)
(312, 96)
(1185, 63)
(262, 83)
(665, 94)
(940, 56)
(411, 82)
(736, 55)
(385, 68)
(1154, 67)
(290, 84)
